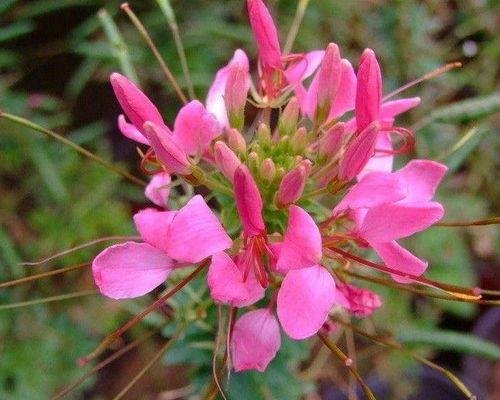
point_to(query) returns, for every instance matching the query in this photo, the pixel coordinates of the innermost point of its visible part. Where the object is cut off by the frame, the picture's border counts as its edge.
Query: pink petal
(227, 286)
(389, 222)
(368, 91)
(255, 340)
(130, 269)
(130, 131)
(302, 243)
(360, 302)
(195, 233)
(328, 77)
(390, 109)
(380, 161)
(400, 259)
(374, 189)
(248, 202)
(266, 35)
(226, 160)
(300, 70)
(168, 152)
(158, 189)
(304, 301)
(153, 226)
(134, 102)
(421, 177)
(346, 93)
(195, 128)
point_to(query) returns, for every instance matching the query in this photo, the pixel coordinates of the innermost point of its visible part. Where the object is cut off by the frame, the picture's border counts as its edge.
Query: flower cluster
(324, 139)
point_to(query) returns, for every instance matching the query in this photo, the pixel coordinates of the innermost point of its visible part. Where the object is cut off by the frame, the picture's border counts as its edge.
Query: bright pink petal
(166, 149)
(215, 97)
(390, 109)
(158, 189)
(400, 259)
(421, 177)
(302, 243)
(248, 202)
(380, 161)
(130, 131)
(302, 69)
(195, 128)
(255, 340)
(372, 190)
(195, 233)
(130, 269)
(304, 301)
(346, 93)
(153, 226)
(368, 91)
(389, 222)
(226, 283)
(134, 102)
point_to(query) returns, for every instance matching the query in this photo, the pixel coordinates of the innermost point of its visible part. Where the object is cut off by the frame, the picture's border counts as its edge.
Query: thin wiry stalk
(169, 14)
(139, 317)
(73, 385)
(395, 345)
(42, 275)
(347, 362)
(488, 221)
(48, 299)
(151, 362)
(80, 247)
(351, 352)
(118, 45)
(74, 146)
(163, 65)
(294, 29)
(218, 337)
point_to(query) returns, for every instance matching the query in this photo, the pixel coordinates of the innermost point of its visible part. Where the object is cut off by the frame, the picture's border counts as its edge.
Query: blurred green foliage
(52, 199)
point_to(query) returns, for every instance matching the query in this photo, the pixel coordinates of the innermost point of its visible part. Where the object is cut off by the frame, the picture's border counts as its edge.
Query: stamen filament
(294, 28)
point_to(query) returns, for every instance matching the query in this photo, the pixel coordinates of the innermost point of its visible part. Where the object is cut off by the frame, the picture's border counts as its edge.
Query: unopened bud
(236, 141)
(253, 159)
(299, 140)
(328, 81)
(235, 95)
(226, 160)
(292, 186)
(264, 134)
(289, 118)
(268, 170)
(331, 142)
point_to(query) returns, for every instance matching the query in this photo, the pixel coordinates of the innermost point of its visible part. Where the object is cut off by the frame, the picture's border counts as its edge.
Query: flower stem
(348, 363)
(26, 123)
(163, 65)
(48, 299)
(488, 221)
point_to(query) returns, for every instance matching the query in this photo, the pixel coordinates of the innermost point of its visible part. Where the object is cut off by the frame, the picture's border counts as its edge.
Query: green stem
(212, 184)
(48, 299)
(28, 124)
(294, 29)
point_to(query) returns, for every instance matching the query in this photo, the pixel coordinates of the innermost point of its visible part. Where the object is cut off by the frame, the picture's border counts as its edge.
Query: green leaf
(450, 340)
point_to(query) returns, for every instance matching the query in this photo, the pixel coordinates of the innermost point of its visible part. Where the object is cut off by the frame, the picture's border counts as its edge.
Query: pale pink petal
(390, 109)
(158, 189)
(130, 131)
(195, 233)
(130, 269)
(255, 340)
(346, 93)
(195, 128)
(302, 243)
(372, 190)
(304, 301)
(389, 222)
(380, 161)
(226, 283)
(368, 90)
(153, 226)
(136, 105)
(421, 177)
(248, 202)
(398, 258)
(298, 71)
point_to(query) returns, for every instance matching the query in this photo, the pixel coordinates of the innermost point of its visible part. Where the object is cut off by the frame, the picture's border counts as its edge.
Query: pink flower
(158, 189)
(255, 340)
(172, 239)
(360, 302)
(390, 206)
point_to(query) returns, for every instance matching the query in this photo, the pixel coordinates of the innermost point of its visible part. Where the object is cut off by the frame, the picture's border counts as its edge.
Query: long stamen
(294, 29)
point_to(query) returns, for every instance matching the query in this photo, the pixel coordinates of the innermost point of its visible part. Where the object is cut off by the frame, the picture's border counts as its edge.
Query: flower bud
(268, 170)
(226, 160)
(358, 152)
(292, 186)
(235, 95)
(331, 142)
(264, 133)
(368, 90)
(300, 140)
(253, 159)
(327, 81)
(158, 189)
(360, 302)
(236, 141)
(248, 201)
(289, 118)
(167, 151)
